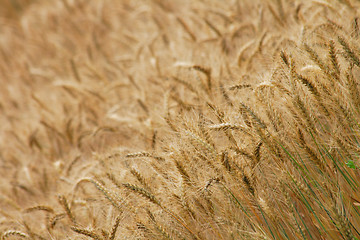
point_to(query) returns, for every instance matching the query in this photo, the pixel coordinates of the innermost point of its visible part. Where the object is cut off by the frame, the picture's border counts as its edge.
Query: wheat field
(179, 119)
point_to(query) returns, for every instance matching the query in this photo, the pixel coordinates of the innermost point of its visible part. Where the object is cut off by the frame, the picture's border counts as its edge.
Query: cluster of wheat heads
(179, 120)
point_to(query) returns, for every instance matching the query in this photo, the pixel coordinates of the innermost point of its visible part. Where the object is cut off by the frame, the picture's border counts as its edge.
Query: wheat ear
(114, 228)
(11, 233)
(86, 232)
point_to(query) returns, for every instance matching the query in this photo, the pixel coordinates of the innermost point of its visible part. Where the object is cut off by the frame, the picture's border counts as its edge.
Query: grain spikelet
(55, 219)
(186, 28)
(140, 178)
(349, 53)
(142, 192)
(248, 183)
(201, 141)
(11, 233)
(285, 58)
(229, 126)
(276, 16)
(75, 70)
(39, 208)
(240, 86)
(253, 115)
(212, 27)
(184, 174)
(86, 232)
(114, 228)
(109, 194)
(256, 153)
(225, 160)
(226, 96)
(334, 60)
(207, 72)
(307, 82)
(312, 154)
(158, 227)
(64, 203)
(315, 57)
(144, 154)
(204, 131)
(186, 84)
(353, 89)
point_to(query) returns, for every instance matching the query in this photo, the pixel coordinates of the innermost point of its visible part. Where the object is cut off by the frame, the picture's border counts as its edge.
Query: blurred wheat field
(181, 119)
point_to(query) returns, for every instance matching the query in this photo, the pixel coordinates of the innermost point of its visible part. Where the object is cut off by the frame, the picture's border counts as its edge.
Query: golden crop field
(180, 119)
